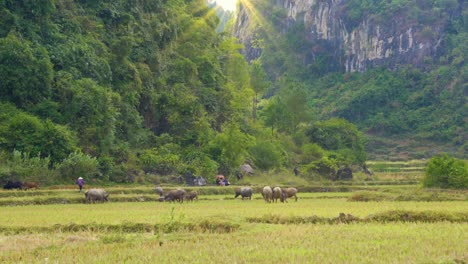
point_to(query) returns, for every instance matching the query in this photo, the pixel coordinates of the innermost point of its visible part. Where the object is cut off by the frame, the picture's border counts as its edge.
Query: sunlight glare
(228, 5)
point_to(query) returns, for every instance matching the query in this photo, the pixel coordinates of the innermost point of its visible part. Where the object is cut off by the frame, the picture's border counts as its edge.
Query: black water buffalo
(244, 192)
(193, 195)
(96, 195)
(175, 195)
(10, 185)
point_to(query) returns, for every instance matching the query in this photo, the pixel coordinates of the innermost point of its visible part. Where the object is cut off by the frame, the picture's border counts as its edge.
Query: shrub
(341, 136)
(229, 148)
(26, 133)
(311, 152)
(161, 160)
(21, 166)
(266, 155)
(199, 163)
(326, 167)
(446, 172)
(79, 165)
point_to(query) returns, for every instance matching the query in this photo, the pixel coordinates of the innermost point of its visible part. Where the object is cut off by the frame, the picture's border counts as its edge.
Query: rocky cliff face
(370, 41)
(245, 29)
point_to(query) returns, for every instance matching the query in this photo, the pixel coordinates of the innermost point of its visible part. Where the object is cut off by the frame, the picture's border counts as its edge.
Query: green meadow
(134, 228)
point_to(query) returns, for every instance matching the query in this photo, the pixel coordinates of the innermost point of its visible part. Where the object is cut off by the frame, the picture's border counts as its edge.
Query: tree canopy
(124, 90)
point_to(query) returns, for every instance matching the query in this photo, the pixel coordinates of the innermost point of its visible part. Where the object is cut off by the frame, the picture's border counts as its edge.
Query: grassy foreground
(354, 243)
(219, 229)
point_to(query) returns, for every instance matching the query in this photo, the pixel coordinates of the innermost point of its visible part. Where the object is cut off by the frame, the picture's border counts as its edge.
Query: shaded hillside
(395, 68)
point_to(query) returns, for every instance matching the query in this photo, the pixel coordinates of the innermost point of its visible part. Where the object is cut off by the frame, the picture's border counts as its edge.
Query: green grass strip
(170, 227)
(384, 217)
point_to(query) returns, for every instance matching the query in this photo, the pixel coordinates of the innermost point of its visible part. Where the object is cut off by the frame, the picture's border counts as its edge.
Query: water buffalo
(10, 185)
(193, 195)
(96, 195)
(175, 195)
(267, 194)
(245, 192)
(288, 193)
(30, 185)
(277, 194)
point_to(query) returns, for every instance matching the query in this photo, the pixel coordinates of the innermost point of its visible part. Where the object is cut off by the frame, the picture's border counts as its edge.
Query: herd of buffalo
(269, 194)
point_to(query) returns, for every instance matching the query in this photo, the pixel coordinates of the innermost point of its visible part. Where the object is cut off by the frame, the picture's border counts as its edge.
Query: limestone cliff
(392, 38)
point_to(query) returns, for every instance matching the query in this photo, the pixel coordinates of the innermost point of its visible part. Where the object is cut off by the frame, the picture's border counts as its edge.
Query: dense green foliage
(446, 172)
(392, 104)
(78, 165)
(29, 134)
(23, 166)
(383, 11)
(131, 90)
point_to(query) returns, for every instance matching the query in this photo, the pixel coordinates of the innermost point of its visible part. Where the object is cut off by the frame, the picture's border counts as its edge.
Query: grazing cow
(244, 192)
(30, 185)
(267, 194)
(193, 195)
(96, 195)
(10, 185)
(277, 194)
(175, 195)
(288, 193)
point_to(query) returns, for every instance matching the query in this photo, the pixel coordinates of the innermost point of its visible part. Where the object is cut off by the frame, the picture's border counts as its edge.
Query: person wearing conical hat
(80, 183)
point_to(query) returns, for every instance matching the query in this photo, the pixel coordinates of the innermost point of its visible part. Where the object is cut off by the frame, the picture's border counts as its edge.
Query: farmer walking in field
(80, 183)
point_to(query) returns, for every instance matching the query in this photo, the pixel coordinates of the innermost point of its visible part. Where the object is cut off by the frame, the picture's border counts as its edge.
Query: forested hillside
(130, 91)
(395, 68)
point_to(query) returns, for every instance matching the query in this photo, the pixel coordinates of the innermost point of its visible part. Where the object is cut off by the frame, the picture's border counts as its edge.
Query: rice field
(219, 229)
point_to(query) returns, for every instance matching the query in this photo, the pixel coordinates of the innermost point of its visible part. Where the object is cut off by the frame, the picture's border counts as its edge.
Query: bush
(199, 163)
(28, 134)
(340, 136)
(311, 152)
(266, 155)
(446, 172)
(79, 165)
(325, 167)
(162, 160)
(21, 166)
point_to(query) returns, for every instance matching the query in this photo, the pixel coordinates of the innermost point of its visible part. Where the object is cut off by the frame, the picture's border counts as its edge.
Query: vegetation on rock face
(383, 11)
(423, 102)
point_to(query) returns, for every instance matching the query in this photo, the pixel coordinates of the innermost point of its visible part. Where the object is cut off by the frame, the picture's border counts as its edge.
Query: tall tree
(25, 72)
(259, 83)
